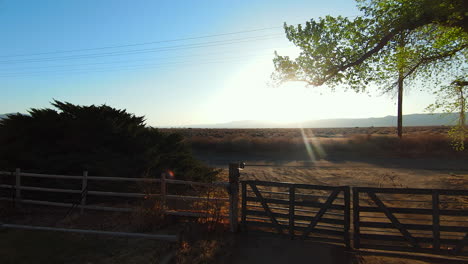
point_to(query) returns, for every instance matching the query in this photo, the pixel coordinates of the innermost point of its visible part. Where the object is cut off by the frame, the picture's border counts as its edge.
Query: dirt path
(361, 174)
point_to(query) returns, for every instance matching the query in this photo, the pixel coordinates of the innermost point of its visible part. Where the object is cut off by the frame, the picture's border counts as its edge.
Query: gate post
(234, 173)
(244, 207)
(84, 191)
(356, 242)
(292, 201)
(18, 188)
(347, 216)
(435, 221)
(163, 191)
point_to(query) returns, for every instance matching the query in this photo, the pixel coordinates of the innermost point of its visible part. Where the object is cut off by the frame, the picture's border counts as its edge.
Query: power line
(140, 51)
(141, 43)
(135, 67)
(152, 42)
(132, 61)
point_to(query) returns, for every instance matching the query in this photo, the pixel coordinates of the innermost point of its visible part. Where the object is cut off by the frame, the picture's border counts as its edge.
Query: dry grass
(203, 245)
(417, 141)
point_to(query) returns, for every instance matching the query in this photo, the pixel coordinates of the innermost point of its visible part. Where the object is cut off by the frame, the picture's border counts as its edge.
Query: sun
(247, 95)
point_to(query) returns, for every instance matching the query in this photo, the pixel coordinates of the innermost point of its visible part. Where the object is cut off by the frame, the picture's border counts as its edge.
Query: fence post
(18, 188)
(233, 195)
(84, 191)
(292, 200)
(347, 216)
(244, 207)
(163, 191)
(356, 242)
(435, 221)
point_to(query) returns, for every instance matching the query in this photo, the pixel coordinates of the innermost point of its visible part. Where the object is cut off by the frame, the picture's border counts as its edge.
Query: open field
(295, 132)
(320, 143)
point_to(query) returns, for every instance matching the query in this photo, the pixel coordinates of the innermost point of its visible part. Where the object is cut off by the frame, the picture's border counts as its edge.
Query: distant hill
(241, 124)
(387, 121)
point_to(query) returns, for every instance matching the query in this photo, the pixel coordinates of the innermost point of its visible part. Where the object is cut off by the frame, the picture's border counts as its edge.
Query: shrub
(101, 139)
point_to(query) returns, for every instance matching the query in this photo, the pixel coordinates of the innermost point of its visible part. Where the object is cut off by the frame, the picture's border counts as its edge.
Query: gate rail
(435, 223)
(292, 210)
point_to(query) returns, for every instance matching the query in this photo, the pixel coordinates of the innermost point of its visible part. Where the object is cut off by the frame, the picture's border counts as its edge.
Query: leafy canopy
(101, 139)
(367, 49)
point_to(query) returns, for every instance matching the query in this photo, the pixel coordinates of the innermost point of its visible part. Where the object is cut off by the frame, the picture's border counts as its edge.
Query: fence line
(231, 187)
(18, 187)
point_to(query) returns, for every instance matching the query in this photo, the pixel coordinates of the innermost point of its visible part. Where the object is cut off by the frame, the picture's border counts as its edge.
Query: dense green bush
(101, 139)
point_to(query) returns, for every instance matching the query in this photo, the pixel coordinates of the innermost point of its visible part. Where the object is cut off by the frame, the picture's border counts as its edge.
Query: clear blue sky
(160, 59)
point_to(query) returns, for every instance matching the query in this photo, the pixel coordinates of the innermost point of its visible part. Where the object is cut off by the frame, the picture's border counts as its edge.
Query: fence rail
(407, 220)
(282, 213)
(396, 228)
(391, 219)
(18, 187)
(231, 187)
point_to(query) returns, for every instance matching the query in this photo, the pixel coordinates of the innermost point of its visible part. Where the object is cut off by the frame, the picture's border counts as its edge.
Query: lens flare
(170, 174)
(312, 145)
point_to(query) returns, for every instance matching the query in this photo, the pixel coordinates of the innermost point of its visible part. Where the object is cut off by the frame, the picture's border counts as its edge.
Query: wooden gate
(308, 211)
(412, 220)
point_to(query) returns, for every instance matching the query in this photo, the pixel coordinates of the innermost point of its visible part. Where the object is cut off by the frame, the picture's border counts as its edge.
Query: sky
(175, 62)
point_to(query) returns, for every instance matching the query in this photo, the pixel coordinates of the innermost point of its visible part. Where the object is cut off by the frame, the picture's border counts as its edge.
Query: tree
(453, 98)
(392, 43)
(104, 140)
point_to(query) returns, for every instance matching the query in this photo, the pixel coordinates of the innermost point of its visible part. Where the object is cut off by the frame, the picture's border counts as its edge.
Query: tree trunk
(401, 68)
(462, 107)
(400, 104)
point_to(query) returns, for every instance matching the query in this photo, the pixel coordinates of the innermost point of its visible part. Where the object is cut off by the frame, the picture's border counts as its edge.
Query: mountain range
(437, 119)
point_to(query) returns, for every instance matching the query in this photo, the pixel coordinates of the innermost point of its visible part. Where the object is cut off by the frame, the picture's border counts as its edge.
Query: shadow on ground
(262, 247)
(273, 249)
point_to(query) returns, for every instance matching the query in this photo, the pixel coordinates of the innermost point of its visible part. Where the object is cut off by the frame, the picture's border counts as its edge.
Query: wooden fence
(84, 192)
(414, 220)
(431, 221)
(308, 211)
(18, 198)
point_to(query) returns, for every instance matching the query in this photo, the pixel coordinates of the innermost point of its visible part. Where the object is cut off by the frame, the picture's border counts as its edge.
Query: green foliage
(453, 99)
(458, 134)
(367, 49)
(100, 139)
